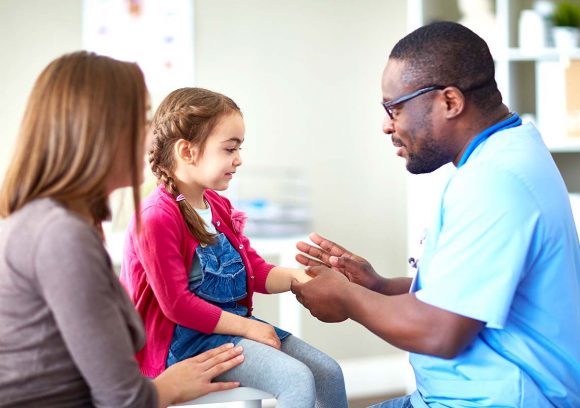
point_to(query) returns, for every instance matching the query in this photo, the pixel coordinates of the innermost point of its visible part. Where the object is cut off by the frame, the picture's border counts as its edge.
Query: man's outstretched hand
(356, 269)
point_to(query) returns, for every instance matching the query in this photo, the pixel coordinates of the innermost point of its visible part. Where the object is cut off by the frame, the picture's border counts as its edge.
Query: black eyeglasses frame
(388, 105)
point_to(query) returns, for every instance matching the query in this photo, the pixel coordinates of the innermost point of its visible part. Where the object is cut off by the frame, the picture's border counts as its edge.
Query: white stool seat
(251, 397)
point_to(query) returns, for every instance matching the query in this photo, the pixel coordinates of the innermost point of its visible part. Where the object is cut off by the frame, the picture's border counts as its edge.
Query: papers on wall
(157, 34)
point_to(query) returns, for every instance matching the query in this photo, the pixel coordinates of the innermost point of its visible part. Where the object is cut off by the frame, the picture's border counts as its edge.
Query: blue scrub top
(504, 250)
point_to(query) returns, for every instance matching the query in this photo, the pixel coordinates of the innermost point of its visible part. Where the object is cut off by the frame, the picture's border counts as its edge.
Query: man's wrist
(380, 284)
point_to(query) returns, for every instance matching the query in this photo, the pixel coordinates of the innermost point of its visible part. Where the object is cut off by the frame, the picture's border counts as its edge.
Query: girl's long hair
(189, 114)
(82, 109)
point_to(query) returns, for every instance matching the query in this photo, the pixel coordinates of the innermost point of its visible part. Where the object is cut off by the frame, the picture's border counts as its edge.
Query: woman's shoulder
(46, 216)
(43, 227)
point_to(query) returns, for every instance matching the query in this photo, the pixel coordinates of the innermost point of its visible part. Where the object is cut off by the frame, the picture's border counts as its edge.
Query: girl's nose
(238, 159)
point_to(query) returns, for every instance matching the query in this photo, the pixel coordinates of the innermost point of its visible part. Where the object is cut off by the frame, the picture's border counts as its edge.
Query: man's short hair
(449, 54)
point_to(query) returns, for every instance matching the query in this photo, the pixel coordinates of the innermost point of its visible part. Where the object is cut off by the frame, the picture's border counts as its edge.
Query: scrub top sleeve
(489, 221)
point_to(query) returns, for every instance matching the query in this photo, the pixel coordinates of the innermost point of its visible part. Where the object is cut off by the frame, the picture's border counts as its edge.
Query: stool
(251, 397)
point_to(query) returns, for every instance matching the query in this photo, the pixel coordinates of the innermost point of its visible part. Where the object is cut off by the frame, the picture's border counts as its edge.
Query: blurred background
(306, 74)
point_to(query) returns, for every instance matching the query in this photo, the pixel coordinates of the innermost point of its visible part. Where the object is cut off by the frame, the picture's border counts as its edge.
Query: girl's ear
(185, 151)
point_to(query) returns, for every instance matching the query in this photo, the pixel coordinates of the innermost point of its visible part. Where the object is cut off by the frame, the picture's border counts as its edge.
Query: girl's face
(216, 166)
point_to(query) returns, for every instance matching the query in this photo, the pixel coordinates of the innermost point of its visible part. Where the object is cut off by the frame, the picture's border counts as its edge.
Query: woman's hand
(261, 332)
(193, 377)
(357, 269)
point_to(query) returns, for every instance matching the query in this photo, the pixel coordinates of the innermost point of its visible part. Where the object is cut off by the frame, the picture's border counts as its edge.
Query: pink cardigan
(155, 273)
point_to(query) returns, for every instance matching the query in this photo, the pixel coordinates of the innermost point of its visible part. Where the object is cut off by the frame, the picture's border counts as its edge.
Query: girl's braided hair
(190, 114)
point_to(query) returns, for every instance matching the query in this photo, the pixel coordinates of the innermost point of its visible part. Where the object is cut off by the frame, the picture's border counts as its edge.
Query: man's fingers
(296, 287)
(327, 245)
(306, 261)
(314, 271)
(340, 261)
(313, 252)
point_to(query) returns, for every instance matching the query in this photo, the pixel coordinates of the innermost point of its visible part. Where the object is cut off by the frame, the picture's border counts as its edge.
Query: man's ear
(185, 151)
(454, 102)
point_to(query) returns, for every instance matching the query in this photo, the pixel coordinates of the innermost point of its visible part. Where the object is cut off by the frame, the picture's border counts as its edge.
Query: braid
(194, 222)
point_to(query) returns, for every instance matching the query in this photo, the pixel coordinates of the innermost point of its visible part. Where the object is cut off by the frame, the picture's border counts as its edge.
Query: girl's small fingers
(276, 343)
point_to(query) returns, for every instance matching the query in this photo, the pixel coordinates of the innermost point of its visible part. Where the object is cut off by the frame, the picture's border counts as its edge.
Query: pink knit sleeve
(159, 250)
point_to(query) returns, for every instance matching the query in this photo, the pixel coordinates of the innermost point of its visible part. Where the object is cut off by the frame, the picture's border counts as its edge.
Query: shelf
(569, 145)
(540, 54)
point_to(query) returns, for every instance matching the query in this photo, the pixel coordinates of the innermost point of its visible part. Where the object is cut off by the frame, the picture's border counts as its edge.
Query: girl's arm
(279, 278)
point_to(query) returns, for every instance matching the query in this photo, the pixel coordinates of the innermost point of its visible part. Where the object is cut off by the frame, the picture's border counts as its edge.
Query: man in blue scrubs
(492, 317)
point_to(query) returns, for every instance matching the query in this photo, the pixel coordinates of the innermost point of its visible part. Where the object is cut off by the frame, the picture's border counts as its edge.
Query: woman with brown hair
(68, 330)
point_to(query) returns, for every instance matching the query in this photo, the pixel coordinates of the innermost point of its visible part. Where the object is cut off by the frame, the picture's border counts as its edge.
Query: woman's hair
(190, 114)
(82, 109)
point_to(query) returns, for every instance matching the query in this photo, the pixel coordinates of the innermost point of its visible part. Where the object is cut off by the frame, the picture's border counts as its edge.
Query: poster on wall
(157, 34)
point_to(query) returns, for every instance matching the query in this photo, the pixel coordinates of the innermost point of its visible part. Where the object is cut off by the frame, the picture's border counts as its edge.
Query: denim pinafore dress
(217, 275)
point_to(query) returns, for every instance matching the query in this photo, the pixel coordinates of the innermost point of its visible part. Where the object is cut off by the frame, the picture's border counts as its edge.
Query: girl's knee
(328, 368)
(301, 376)
(299, 389)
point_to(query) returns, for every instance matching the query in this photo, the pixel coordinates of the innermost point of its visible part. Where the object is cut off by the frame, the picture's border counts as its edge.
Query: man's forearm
(393, 286)
(407, 323)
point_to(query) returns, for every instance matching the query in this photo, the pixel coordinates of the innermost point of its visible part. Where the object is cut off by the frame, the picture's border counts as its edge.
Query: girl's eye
(232, 150)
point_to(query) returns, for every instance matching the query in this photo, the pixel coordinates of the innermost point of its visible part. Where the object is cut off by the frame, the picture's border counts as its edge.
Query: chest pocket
(221, 276)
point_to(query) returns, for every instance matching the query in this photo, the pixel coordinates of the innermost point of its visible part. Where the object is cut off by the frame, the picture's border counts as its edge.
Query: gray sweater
(68, 331)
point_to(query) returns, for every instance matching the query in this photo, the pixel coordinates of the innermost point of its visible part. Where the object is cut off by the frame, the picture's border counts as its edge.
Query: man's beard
(429, 159)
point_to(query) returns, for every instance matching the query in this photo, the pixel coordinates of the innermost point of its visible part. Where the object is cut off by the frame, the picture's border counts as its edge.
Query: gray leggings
(298, 375)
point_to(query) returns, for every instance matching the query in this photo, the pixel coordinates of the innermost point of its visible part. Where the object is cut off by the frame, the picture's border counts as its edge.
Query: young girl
(192, 273)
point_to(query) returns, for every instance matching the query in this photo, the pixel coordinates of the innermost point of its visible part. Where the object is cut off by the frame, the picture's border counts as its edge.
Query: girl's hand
(262, 332)
(280, 277)
(193, 377)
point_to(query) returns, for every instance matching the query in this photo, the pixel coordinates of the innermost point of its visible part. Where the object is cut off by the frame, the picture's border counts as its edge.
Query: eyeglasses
(405, 98)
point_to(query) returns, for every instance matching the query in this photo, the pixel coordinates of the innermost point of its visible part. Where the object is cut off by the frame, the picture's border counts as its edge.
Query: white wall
(32, 33)
(307, 77)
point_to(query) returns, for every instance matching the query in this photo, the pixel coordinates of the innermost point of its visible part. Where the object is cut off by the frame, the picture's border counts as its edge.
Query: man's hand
(357, 269)
(324, 295)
